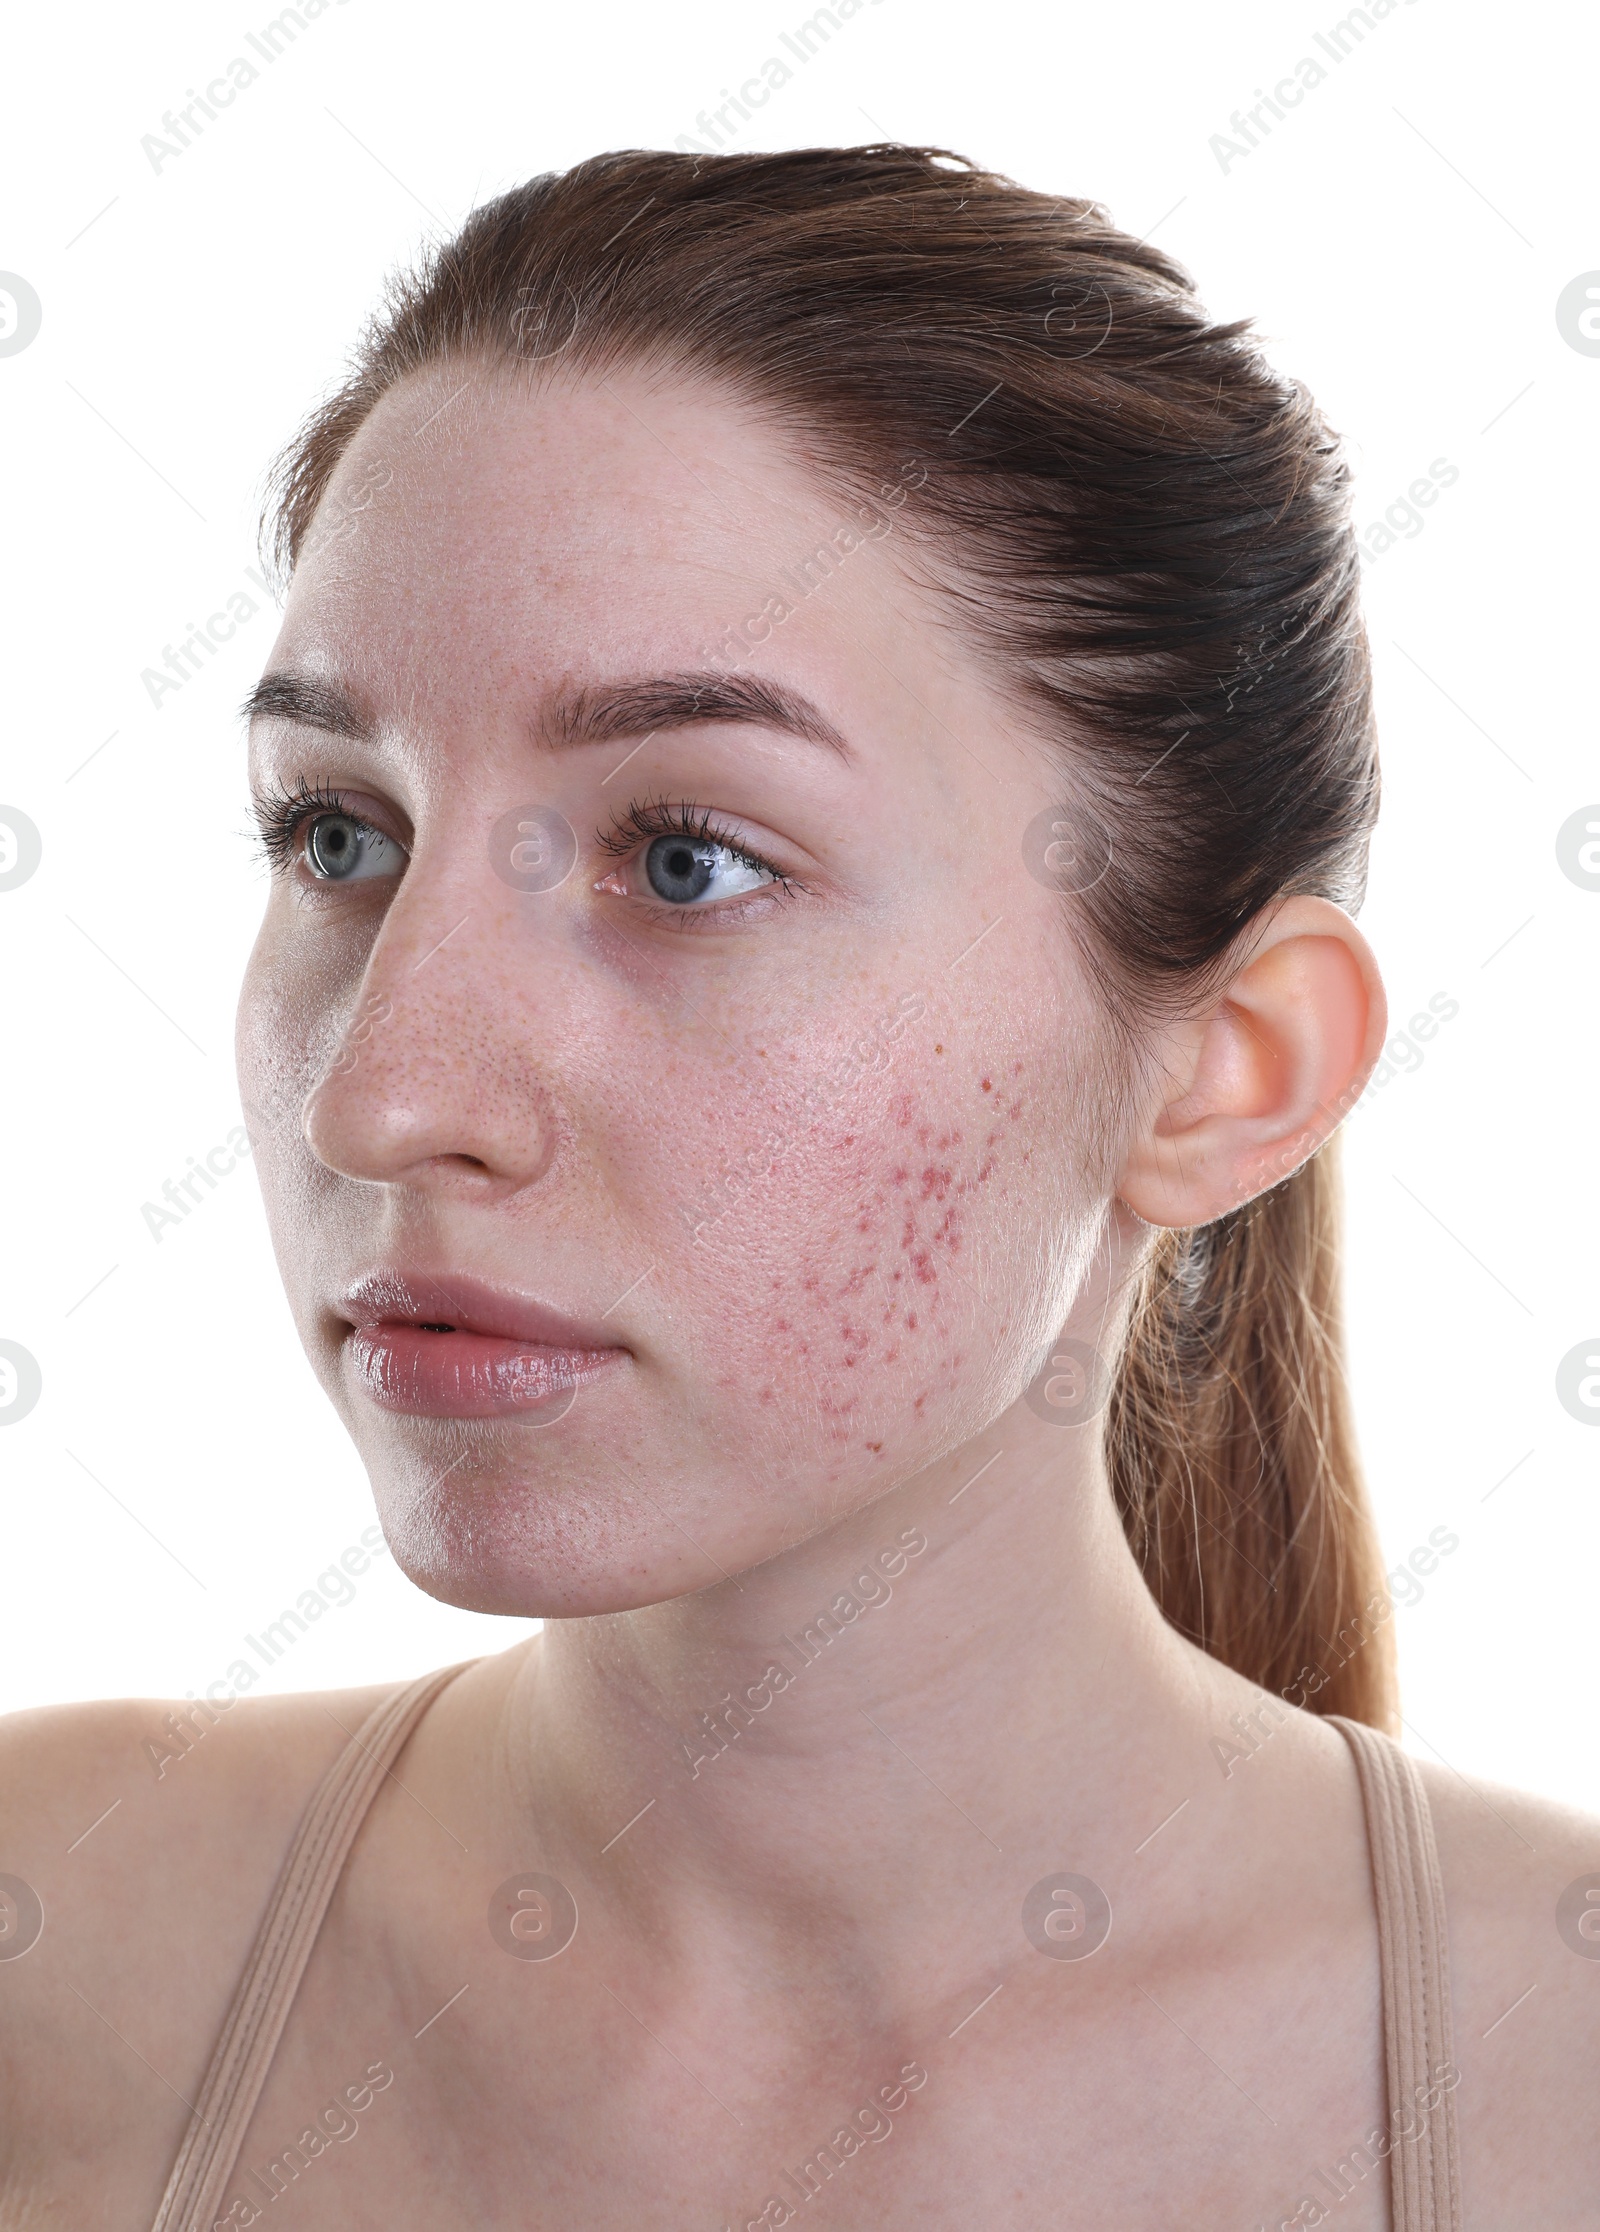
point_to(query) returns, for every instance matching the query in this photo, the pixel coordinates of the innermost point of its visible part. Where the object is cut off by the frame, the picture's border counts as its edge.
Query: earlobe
(1255, 1084)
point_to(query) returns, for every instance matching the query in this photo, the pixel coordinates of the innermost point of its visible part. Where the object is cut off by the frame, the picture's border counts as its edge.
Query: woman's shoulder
(1521, 1878)
(140, 1842)
(177, 1783)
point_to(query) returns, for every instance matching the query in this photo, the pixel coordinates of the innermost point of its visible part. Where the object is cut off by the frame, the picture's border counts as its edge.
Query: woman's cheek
(842, 1280)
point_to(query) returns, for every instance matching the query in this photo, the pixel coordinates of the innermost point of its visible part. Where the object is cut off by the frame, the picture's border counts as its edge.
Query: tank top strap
(1414, 1969)
(265, 1994)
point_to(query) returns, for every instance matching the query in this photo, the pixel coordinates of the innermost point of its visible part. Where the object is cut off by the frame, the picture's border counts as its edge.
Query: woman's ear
(1252, 1086)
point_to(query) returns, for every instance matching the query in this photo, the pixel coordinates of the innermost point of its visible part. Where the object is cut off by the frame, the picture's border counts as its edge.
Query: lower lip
(403, 1367)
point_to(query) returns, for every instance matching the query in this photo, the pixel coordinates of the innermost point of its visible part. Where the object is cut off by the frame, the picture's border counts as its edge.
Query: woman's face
(672, 1081)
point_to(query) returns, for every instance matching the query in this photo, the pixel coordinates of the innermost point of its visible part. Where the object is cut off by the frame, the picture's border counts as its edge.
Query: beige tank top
(1418, 2045)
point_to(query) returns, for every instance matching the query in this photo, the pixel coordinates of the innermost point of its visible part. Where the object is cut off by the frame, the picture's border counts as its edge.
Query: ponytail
(1233, 1458)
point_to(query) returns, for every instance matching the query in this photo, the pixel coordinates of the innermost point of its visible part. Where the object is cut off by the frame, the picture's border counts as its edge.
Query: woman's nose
(438, 1076)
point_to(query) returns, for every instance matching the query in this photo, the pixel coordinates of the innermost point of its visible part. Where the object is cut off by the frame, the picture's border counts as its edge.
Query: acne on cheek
(876, 1317)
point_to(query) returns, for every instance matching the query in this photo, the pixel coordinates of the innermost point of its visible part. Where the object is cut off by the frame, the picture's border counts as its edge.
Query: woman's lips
(453, 1347)
(465, 1375)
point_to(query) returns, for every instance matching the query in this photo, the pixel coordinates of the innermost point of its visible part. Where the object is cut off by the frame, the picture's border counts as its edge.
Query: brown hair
(1144, 530)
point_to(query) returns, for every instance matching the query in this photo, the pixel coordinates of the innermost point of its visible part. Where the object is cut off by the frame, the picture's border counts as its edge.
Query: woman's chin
(528, 1553)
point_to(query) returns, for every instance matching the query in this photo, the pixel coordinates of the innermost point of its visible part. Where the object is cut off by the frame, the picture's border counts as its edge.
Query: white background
(1401, 237)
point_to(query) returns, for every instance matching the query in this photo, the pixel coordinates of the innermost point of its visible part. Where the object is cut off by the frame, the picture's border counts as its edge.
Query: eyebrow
(582, 713)
(601, 713)
(313, 704)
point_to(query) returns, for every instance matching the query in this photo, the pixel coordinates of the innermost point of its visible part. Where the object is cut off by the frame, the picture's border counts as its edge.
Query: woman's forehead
(482, 536)
(611, 475)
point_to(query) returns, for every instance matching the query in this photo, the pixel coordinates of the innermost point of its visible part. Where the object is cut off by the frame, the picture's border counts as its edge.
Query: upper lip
(469, 1305)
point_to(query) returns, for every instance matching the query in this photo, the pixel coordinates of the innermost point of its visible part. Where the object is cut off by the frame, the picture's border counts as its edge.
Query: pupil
(679, 869)
(331, 844)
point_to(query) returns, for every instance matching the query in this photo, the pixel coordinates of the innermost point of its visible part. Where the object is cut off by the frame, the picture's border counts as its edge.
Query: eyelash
(646, 818)
(280, 815)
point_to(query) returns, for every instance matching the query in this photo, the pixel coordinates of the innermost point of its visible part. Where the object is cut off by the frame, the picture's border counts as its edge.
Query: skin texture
(565, 1087)
(821, 1370)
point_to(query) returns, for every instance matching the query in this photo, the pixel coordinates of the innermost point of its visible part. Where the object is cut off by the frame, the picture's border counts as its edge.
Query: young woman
(818, 770)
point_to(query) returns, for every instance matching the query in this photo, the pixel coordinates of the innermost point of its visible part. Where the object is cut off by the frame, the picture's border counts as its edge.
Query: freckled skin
(753, 1152)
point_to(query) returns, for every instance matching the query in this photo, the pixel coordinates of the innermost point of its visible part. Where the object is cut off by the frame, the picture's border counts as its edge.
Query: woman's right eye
(688, 870)
(341, 848)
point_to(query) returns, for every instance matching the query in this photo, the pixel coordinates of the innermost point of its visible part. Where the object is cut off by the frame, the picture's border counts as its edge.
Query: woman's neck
(963, 1688)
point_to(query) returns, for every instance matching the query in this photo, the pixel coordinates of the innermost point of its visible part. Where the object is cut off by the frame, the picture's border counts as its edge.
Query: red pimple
(987, 1086)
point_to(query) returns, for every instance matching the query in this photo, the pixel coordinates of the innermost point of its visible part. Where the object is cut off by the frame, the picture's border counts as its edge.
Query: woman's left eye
(686, 870)
(338, 848)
